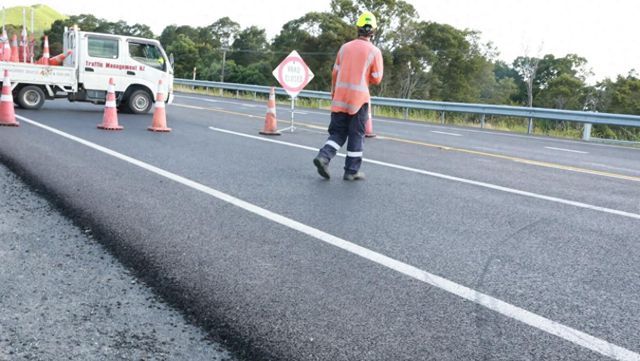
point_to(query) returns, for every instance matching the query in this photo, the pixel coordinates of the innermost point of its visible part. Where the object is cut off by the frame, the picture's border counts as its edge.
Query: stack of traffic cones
(6, 47)
(59, 59)
(159, 123)
(21, 51)
(32, 48)
(6, 50)
(15, 55)
(110, 119)
(7, 113)
(270, 121)
(368, 126)
(45, 52)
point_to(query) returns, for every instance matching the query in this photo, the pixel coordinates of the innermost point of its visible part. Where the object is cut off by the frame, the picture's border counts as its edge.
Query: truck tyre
(139, 102)
(31, 97)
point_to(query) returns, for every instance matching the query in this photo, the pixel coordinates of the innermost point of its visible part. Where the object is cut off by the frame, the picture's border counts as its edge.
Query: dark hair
(366, 31)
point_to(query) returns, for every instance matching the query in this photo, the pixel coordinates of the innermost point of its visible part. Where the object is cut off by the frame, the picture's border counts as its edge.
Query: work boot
(353, 176)
(323, 166)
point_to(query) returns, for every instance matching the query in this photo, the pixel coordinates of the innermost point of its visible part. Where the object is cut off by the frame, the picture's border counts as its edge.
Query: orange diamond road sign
(293, 74)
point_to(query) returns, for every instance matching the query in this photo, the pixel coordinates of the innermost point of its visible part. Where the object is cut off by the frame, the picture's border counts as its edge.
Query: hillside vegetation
(44, 17)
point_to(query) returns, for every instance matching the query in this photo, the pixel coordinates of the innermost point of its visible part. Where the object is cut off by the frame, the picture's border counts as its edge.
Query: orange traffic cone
(59, 59)
(15, 55)
(368, 126)
(7, 113)
(270, 121)
(110, 119)
(159, 123)
(44, 60)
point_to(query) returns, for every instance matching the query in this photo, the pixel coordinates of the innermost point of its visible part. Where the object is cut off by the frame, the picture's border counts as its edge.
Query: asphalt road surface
(462, 244)
(63, 297)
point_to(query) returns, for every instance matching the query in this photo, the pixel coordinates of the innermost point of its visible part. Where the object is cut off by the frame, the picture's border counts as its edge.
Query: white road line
(452, 178)
(198, 98)
(189, 106)
(542, 323)
(567, 150)
(446, 133)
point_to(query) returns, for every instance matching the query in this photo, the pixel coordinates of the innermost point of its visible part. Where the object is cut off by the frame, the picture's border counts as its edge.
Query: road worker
(358, 64)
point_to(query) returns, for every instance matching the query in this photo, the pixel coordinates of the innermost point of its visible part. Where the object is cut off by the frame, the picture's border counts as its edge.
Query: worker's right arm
(335, 71)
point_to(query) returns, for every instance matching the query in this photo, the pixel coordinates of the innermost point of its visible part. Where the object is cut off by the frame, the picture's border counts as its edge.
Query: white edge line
(446, 133)
(453, 178)
(552, 327)
(567, 150)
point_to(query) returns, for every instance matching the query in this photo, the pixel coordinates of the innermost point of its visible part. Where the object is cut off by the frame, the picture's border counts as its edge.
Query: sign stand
(293, 108)
(293, 74)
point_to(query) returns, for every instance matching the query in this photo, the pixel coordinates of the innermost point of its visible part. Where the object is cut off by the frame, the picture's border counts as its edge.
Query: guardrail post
(586, 132)
(441, 117)
(255, 96)
(406, 113)
(237, 94)
(482, 121)
(530, 127)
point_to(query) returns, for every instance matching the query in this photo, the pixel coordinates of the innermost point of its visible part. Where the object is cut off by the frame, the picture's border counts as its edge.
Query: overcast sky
(604, 32)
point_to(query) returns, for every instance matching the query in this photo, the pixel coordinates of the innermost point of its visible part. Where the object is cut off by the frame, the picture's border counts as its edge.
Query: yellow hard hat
(367, 18)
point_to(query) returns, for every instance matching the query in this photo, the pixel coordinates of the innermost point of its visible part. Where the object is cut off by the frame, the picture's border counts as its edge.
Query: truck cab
(137, 66)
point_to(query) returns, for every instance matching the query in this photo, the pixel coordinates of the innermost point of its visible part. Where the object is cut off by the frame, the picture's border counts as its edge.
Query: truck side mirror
(171, 59)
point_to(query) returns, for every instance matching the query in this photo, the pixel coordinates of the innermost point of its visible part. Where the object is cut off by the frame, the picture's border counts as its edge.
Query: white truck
(136, 65)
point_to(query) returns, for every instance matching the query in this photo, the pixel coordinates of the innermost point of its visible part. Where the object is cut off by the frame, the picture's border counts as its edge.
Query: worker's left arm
(377, 69)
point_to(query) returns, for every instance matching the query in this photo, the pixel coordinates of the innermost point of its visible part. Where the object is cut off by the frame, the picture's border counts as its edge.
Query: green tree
(563, 92)
(457, 65)
(223, 32)
(185, 54)
(250, 47)
(624, 95)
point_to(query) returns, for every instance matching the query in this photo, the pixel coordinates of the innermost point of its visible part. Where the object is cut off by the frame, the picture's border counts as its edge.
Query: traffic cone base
(14, 124)
(164, 130)
(270, 120)
(110, 127)
(7, 112)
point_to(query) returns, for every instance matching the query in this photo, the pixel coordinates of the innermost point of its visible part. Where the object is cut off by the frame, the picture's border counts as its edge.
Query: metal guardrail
(587, 118)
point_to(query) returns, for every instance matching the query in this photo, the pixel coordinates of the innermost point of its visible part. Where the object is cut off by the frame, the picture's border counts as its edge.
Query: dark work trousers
(345, 126)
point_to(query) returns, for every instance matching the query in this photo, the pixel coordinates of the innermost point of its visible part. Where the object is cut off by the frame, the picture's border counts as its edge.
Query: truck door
(151, 62)
(102, 59)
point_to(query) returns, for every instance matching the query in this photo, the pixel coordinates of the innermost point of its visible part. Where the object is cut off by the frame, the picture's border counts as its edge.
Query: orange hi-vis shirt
(358, 64)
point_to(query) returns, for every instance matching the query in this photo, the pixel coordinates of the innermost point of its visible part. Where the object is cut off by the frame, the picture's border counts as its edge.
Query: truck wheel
(31, 97)
(139, 102)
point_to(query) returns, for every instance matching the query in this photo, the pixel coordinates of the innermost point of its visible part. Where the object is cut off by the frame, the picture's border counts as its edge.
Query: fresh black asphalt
(62, 296)
(270, 292)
